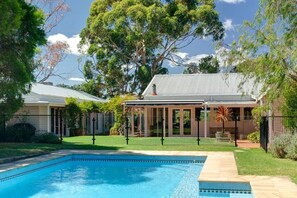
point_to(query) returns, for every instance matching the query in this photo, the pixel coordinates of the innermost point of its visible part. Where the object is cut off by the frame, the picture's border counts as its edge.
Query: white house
(181, 98)
(43, 108)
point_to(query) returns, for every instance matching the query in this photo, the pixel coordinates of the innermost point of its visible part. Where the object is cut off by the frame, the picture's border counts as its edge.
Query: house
(43, 108)
(182, 99)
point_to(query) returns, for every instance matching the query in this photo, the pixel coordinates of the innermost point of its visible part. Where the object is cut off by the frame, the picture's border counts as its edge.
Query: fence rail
(56, 123)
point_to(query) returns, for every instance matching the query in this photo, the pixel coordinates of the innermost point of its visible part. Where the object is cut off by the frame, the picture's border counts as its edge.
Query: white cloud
(77, 79)
(232, 1)
(182, 58)
(196, 58)
(71, 41)
(178, 58)
(228, 24)
(182, 55)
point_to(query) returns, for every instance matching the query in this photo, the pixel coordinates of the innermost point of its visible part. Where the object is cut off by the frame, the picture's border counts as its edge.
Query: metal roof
(162, 102)
(41, 93)
(207, 87)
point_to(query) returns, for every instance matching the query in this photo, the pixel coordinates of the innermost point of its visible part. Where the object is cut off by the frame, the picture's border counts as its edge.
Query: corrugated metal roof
(53, 94)
(162, 102)
(200, 86)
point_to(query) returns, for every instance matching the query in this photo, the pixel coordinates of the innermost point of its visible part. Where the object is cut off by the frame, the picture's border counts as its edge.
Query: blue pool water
(114, 176)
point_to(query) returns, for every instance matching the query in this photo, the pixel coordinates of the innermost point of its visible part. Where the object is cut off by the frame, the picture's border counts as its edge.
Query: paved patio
(247, 144)
(219, 166)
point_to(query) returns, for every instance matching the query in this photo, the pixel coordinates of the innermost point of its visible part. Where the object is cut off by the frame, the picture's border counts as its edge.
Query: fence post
(264, 133)
(93, 131)
(61, 130)
(236, 131)
(162, 134)
(127, 130)
(4, 128)
(198, 130)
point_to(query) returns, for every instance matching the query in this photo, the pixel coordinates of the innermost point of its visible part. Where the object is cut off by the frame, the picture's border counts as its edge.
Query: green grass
(249, 161)
(149, 143)
(114, 143)
(257, 162)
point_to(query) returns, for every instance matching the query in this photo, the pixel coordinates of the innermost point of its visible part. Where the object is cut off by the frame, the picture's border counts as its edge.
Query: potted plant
(223, 114)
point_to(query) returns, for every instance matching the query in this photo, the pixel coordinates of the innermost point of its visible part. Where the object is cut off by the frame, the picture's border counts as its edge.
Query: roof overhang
(162, 102)
(190, 102)
(231, 103)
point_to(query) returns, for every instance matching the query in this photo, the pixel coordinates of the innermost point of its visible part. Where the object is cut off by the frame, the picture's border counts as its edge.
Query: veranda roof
(44, 94)
(162, 102)
(199, 89)
(205, 87)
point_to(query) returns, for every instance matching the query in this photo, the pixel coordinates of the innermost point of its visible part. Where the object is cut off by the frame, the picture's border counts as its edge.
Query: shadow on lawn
(76, 145)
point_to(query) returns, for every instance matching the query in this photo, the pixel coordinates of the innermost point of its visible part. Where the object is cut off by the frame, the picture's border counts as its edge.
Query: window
(248, 113)
(187, 122)
(202, 114)
(176, 121)
(235, 113)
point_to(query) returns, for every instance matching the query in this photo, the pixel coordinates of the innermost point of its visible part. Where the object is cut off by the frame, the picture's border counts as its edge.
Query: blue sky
(232, 14)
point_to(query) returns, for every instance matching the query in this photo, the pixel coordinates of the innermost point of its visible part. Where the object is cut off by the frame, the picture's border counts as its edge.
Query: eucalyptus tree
(20, 33)
(129, 40)
(208, 64)
(49, 57)
(267, 50)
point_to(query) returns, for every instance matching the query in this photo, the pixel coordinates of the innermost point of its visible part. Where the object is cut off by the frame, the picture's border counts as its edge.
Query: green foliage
(285, 146)
(48, 138)
(289, 107)
(130, 39)
(115, 105)
(254, 137)
(20, 34)
(206, 65)
(73, 113)
(267, 50)
(279, 144)
(291, 148)
(21, 132)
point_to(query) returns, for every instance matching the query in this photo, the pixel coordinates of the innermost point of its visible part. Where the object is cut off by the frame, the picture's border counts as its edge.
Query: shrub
(49, 138)
(254, 137)
(20, 132)
(279, 144)
(291, 148)
(115, 129)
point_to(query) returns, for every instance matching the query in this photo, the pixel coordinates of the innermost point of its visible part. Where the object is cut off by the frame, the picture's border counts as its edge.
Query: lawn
(249, 161)
(257, 162)
(114, 143)
(149, 143)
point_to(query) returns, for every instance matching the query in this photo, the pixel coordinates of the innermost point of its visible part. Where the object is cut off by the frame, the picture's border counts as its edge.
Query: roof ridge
(200, 74)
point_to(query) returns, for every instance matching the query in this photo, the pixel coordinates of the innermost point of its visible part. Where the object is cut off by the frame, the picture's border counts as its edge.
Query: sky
(232, 13)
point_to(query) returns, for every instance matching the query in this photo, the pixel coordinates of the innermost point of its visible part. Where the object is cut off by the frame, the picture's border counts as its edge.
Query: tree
(206, 65)
(52, 54)
(47, 60)
(20, 34)
(223, 115)
(129, 40)
(267, 50)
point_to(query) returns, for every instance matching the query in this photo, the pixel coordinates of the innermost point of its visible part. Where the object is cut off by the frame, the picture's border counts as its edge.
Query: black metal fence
(271, 126)
(264, 133)
(56, 123)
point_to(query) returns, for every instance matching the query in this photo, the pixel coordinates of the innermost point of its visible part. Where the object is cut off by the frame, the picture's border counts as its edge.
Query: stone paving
(219, 166)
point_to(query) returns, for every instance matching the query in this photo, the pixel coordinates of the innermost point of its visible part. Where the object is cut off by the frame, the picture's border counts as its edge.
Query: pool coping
(219, 167)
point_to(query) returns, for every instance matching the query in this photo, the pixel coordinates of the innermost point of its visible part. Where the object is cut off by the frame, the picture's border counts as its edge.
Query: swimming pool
(116, 176)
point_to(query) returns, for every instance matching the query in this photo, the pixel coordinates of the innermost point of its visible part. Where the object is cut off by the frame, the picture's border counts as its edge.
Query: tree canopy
(208, 64)
(20, 33)
(267, 50)
(129, 40)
